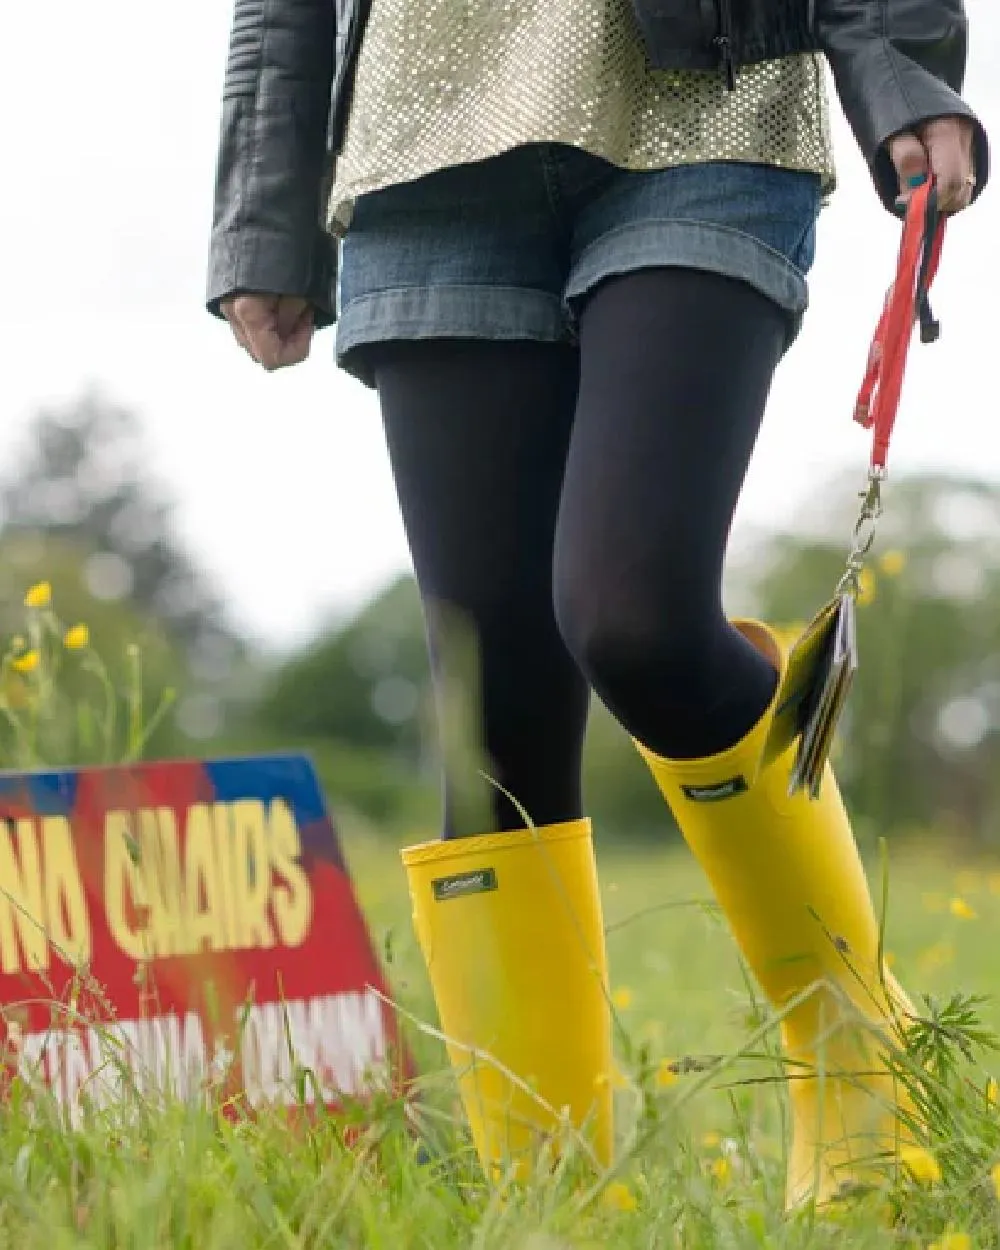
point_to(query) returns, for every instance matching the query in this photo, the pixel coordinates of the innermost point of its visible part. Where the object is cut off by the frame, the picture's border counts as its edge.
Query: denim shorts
(509, 247)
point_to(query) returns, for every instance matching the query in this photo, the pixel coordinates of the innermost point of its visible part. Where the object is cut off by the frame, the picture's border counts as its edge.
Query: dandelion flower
(26, 663)
(622, 998)
(38, 596)
(995, 1178)
(720, 1169)
(952, 1241)
(992, 1092)
(619, 1197)
(892, 563)
(665, 1074)
(960, 908)
(921, 1164)
(616, 1079)
(77, 638)
(710, 1140)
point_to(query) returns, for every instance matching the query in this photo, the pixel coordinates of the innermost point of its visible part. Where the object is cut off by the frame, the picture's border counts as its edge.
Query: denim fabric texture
(510, 247)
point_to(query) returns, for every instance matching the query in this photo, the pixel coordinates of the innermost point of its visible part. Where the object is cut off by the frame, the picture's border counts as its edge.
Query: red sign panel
(188, 928)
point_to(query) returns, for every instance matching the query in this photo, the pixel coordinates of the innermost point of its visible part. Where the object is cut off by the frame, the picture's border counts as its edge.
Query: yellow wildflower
(615, 1078)
(622, 998)
(26, 663)
(77, 638)
(992, 1093)
(665, 1074)
(38, 596)
(952, 1241)
(892, 563)
(866, 586)
(921, 1164)
(960, 908)
(619, 1197)
(710, 1140)
(995, 1177)
(720, 1169)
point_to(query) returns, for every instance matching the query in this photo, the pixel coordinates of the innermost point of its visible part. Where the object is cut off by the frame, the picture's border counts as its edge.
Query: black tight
(568, 513)
(477, 434)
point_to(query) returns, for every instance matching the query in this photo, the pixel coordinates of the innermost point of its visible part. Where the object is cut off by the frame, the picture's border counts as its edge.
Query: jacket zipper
(724, 42)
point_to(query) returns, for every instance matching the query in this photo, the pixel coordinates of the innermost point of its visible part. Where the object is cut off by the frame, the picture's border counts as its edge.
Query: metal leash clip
(864, 533)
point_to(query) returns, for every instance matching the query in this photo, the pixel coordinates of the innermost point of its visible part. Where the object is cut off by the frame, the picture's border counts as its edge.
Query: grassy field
(708, 1172)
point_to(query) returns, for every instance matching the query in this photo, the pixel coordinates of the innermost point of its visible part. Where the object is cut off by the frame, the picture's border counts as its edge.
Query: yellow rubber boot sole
(788, 878)
(511, 931)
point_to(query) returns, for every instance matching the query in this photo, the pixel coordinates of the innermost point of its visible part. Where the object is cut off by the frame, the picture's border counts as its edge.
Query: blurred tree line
(919, 753)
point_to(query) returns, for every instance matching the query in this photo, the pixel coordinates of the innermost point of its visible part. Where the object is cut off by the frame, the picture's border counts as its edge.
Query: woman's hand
(276, 330)
(942, 147)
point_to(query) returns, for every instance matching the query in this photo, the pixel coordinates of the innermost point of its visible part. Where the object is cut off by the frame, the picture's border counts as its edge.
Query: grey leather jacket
(288, 84)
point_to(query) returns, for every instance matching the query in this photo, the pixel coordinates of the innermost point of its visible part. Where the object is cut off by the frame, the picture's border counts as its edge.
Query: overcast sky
(110, 113)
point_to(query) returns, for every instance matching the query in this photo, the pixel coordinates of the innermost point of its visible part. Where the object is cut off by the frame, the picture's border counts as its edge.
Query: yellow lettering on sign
(234, 881)
(42, 901)
(22, 919)
(66, 915)
(205, 915)
(223, 824)
(124, 885)
(292, 895)
(253, 874)
(159, 864)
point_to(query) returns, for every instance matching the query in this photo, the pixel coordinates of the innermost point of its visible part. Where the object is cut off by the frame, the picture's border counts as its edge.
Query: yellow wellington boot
(511, 930)
(787, 875)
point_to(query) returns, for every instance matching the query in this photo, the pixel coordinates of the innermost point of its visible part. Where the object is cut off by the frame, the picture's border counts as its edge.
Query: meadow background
(700, 1109)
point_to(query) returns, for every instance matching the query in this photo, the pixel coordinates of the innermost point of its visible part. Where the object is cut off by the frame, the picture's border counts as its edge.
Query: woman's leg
(477, 434)
(676, 367)
(675, 371)
(509, 921)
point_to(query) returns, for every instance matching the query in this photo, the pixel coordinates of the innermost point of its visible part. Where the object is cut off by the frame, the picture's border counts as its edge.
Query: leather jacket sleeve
(897, 63)
(267, 233)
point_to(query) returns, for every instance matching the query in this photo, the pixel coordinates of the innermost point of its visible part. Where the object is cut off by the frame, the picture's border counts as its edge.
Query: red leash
(906, 303)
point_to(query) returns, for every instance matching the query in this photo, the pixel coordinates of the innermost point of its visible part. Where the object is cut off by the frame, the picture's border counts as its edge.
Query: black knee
(633, 652)
(672, 670)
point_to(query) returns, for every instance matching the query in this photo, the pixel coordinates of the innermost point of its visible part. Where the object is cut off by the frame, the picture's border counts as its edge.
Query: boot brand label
(463, 883)
(716, 792)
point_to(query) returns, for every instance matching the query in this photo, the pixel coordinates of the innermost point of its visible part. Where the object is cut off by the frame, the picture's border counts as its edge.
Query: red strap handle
(906, 302)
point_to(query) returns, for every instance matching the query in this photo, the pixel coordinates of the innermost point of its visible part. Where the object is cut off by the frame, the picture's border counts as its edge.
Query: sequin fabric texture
(444, 82)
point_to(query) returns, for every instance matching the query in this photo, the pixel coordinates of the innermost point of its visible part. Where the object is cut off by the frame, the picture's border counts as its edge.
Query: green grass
(708, 1174)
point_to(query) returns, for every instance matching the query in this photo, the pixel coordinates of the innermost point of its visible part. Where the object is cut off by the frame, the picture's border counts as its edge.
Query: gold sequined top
(443, 82)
